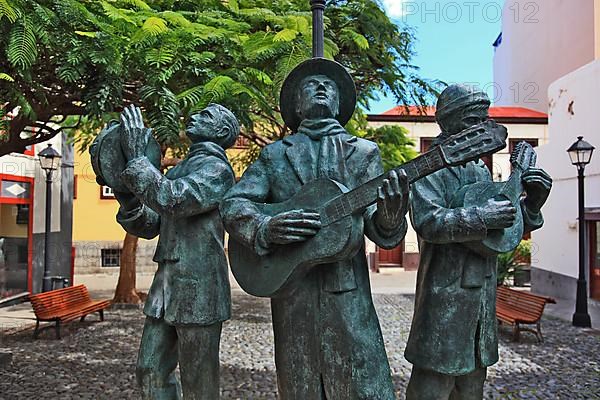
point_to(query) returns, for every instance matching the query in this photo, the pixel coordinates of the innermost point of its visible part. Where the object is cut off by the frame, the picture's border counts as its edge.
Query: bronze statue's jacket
(327, 335)
(191, 285)
(456, 287)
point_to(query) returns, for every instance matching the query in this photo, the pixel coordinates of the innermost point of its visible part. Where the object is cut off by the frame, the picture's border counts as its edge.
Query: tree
(81, 58)
(73, 61)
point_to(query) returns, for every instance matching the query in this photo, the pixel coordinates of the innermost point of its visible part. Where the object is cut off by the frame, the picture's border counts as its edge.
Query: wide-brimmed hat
(317, 66)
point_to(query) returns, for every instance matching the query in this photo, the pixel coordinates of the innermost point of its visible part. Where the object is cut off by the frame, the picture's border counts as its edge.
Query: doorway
(390, 258)
(16, 208)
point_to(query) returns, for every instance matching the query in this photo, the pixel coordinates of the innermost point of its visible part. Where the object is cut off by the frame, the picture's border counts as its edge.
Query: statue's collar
(207, 149)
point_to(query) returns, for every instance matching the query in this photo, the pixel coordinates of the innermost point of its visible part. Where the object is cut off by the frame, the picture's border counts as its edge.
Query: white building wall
(541, 41)
(574, 111)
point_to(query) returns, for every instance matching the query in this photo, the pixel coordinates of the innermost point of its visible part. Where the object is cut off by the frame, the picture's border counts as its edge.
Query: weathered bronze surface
(108, 160)
(453, 337)
(339, 211)
(190, 295)
(328, 342)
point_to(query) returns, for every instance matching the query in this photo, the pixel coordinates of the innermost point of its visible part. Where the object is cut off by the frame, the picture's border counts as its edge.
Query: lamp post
(49, 161)
(580, 153)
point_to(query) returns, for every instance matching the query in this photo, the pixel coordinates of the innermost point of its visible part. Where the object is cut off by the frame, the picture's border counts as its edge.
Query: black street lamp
(580, 153)
(49, 161)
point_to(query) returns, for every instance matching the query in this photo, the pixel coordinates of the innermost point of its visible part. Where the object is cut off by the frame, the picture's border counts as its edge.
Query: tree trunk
(126, 291)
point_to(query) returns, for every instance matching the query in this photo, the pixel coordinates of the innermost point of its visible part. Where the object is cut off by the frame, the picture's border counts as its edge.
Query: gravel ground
(96, 360)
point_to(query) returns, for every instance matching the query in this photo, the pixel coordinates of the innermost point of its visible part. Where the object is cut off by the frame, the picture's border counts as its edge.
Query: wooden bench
(65, 305)
(518, 308)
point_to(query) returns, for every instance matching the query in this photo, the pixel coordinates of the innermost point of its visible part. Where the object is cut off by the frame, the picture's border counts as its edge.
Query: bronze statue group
(328, 341)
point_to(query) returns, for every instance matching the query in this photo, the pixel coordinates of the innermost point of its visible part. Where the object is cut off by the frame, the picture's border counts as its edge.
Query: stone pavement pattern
(97, 360)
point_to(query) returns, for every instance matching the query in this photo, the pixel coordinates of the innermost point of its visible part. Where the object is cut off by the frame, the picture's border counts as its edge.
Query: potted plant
(515, 264)
(522, 261)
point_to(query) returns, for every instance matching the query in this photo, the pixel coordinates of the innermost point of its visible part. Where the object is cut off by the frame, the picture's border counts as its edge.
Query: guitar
(499, 241)
(340, 210)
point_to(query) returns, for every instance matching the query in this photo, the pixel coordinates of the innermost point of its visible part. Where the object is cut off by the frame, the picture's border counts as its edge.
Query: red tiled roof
(412, 110)
(495, 112)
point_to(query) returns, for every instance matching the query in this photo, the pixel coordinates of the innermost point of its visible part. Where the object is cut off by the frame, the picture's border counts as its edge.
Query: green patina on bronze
(190, 294)
(328, 342)
(453, 337)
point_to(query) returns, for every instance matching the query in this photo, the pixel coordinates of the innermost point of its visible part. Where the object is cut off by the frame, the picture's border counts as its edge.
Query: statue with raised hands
(190, 295)
(463, 221)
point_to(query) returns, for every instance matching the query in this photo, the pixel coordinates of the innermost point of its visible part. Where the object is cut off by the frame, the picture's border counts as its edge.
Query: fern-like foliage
(115, 14)
(22, 45)
(160, 56)
(285, 35)
(6, 10)
(215, 91)
(155, 26)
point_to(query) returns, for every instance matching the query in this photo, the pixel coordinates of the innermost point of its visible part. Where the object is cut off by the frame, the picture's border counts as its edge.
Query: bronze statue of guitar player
(463, 220)
(328, 342)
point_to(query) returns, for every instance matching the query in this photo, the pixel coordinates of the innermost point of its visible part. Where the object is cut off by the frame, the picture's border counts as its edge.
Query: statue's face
(467, 118)
(205, 125)
(319, 97)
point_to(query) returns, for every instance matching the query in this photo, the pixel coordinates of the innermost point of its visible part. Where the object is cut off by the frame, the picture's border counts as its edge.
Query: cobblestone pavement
(96, 360)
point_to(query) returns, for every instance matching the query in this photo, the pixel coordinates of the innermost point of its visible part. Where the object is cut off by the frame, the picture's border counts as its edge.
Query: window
(14, 189)
(106, 192)
(426, 144)
(111, 257)
(22, 214)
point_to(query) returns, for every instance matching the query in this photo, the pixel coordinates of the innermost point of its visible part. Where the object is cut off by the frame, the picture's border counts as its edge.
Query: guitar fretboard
(523, 157)
(366, 194)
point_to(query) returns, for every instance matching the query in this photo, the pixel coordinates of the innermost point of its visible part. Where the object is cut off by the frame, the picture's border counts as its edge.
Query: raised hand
(537, 184)
(392, 201)
(292, 226)
(498, 214)
(134, 136)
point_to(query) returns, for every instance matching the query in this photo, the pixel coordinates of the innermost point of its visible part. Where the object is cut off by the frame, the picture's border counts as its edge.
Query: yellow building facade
(97, 237)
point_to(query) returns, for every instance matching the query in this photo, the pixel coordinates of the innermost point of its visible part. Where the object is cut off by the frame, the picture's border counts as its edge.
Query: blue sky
(454, 39)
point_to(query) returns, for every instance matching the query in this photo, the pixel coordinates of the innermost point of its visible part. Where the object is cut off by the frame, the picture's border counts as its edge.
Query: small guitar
(499, 241)
(340, 210)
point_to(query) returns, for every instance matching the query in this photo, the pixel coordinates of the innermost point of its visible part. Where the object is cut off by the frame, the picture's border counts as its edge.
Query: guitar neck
(366, 194)
(513, 187)
(524, 157)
